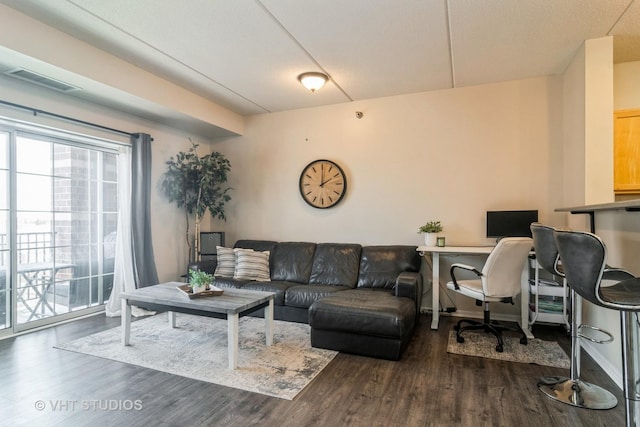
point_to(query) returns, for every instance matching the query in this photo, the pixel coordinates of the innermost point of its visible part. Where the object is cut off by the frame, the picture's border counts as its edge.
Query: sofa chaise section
(378, 317)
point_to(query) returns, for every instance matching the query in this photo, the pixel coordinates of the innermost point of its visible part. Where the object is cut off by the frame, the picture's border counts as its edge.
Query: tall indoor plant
(196, 184)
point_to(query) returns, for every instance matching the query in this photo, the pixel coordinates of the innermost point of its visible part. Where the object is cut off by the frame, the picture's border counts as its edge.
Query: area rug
(539, 352)
(197, 348)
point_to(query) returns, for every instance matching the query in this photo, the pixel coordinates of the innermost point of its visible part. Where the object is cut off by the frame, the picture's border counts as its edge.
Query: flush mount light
(313, 81)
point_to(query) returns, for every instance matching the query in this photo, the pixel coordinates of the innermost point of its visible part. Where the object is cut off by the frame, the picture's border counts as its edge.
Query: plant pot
(196, 289)
(430, 239)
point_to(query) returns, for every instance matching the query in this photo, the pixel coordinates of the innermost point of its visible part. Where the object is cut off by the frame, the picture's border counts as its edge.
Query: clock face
(322, 184)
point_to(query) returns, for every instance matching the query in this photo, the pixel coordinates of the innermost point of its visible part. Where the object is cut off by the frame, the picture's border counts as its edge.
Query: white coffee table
(231, 305)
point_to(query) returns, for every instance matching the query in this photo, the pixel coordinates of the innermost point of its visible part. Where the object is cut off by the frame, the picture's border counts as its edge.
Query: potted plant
(196, 184)
(430, 230)
(200, 280)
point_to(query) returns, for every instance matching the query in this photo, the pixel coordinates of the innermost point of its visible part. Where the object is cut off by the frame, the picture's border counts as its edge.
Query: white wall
(574, 159)
(626, 86)
(448, 155)
(599, 121)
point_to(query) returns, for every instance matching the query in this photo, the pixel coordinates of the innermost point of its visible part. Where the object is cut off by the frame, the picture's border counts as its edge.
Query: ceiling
(245, 55)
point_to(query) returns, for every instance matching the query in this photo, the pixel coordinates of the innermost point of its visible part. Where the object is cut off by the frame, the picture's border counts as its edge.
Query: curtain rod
(36, 111)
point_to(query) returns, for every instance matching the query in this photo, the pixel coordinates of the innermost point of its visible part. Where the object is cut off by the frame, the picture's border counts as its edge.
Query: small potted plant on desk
(430, 230)
(200, 281)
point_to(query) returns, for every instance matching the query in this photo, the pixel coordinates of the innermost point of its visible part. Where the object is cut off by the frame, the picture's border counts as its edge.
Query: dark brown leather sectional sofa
(357, 299)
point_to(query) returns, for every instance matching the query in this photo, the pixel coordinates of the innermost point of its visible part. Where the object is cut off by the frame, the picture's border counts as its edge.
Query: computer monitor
(510, 223)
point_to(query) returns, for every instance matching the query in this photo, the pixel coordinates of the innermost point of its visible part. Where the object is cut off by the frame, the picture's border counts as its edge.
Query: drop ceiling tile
(235, 44)
(626, 32)
(500, 40)
(372, 48)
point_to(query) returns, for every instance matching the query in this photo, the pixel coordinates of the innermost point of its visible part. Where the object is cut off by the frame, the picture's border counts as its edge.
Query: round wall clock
(322, 184)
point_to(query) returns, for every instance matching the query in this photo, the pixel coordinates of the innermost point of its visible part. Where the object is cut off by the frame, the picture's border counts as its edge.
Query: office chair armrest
(463, 267)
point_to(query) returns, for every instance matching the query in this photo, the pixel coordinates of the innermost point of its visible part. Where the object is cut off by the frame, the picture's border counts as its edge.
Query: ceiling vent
(41, 80)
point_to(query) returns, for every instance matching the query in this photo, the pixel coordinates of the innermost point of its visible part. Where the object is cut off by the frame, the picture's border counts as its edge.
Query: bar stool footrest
(594, 328)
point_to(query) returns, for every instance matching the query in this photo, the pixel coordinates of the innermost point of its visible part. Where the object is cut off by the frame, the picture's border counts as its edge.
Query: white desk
(435, 252)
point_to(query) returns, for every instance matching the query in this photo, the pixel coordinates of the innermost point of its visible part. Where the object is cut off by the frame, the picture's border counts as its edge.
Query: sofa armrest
(409, 285)
(208, 266)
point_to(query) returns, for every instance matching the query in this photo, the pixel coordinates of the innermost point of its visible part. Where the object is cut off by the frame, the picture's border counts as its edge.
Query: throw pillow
(226, 262)
(252, 265)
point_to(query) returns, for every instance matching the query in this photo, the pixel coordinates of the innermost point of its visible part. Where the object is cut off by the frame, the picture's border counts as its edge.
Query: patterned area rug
(539, 352)
(197, 349)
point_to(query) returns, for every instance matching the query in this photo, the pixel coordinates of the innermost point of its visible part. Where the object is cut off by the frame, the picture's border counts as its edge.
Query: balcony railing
(32, 247)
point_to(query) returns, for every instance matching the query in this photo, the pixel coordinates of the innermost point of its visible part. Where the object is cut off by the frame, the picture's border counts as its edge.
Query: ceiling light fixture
(313, 81)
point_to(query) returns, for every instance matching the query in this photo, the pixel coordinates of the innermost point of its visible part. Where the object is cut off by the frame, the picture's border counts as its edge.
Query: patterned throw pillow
(226, 262)
(252, 265)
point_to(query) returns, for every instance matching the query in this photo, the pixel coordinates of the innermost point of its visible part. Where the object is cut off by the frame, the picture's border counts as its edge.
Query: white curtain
(123, 275)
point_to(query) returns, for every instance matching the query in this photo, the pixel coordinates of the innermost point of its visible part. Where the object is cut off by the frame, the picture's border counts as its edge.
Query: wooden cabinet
(626, 152)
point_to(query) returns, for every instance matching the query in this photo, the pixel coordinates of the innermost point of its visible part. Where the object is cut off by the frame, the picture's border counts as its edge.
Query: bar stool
(583, 257)
(572, 390)
(548, 258)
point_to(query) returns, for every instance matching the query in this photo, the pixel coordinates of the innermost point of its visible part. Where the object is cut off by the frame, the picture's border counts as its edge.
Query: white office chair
(499, 281)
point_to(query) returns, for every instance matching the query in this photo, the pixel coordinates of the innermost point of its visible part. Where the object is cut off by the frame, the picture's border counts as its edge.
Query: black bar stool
(583, 258)
(548, 258)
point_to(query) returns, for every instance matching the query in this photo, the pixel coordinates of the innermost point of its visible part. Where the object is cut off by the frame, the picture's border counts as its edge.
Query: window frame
(16, 129)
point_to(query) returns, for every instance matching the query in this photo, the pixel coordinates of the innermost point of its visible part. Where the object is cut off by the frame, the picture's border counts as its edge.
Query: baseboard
(51, 325)
(614, 372)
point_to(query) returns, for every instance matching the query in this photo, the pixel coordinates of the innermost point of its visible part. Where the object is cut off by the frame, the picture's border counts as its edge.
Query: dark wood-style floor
(427, 387)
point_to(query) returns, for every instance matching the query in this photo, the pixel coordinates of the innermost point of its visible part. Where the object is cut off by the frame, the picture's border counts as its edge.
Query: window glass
(66, 210)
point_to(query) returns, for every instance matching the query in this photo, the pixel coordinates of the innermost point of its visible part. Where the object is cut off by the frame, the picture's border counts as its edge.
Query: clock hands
(323, 182)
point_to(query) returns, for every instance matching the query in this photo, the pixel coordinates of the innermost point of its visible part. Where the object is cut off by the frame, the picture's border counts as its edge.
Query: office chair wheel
(523, 341)
(460, 339)
(499, 348)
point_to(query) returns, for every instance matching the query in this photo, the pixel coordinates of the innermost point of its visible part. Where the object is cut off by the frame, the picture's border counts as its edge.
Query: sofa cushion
(336, 264)
(226, 259)
(364, 311)
(256, 245)
(381, 265)
(251, 265)
(292, 261)
(229, 282)
(279, 288)
(302, 296)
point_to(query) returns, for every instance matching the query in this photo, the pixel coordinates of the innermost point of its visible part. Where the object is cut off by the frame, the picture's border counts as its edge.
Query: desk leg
(172, 318)
(232, 337)
(126, 321)
(268, 320)
(435, 290)
(524, 301)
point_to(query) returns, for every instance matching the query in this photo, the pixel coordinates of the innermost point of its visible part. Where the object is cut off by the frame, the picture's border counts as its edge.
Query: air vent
(39, 79)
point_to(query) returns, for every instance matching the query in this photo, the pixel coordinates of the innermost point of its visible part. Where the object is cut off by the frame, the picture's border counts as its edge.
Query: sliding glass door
(5, 295)
(58, 212)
